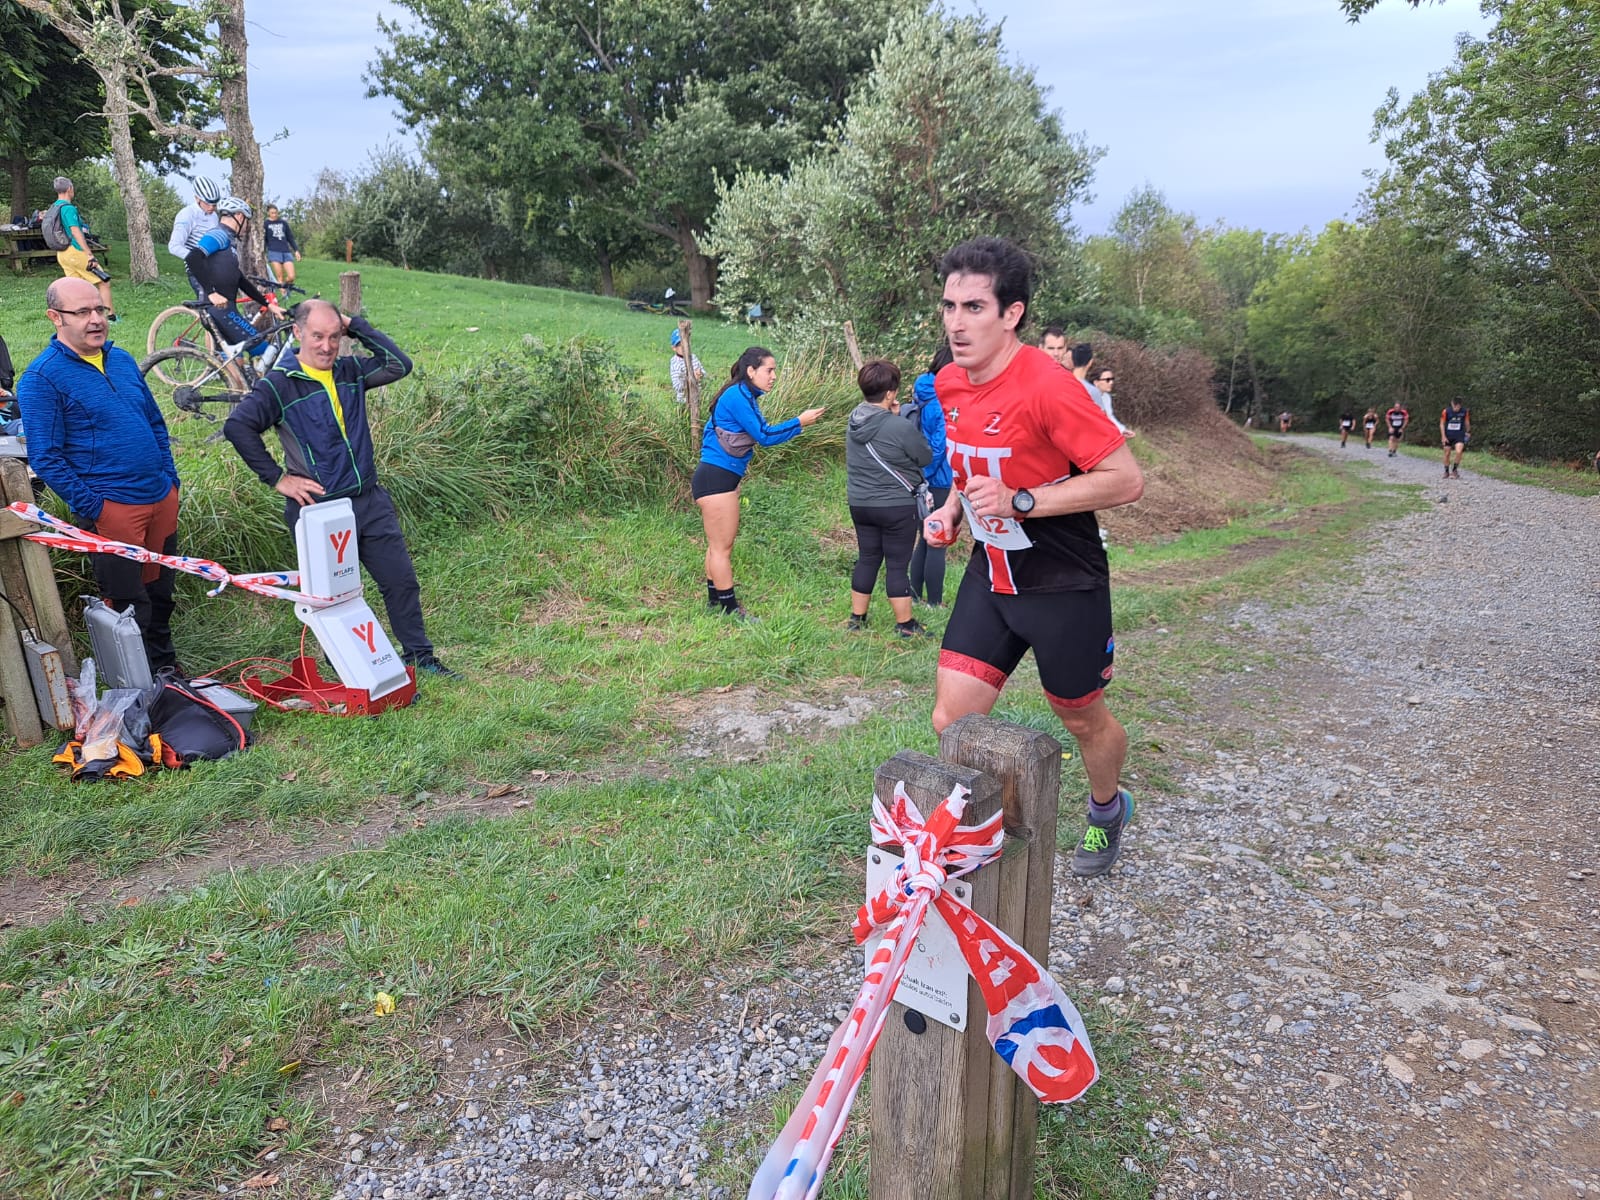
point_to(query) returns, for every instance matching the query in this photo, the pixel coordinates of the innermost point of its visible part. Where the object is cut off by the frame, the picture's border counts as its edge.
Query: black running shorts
(712, 480)
(1068, 632)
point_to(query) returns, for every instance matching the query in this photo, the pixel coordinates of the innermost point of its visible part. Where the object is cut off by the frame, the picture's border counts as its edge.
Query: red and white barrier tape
(1032, 1024)
(63, 536)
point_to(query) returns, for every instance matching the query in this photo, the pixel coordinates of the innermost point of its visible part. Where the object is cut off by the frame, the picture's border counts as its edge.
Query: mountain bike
(197, 376)
(668, 304)
(181, 326)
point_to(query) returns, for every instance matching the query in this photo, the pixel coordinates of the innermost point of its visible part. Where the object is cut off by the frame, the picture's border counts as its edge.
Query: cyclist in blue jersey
(214, 264)
(733, 431)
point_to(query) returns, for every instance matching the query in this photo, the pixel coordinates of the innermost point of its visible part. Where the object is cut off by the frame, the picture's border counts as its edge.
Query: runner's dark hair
(748, 361)
(877, 378)
(1082, 354)
(1009, 270)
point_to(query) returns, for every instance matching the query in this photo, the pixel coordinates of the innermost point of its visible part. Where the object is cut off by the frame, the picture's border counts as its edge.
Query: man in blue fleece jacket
(97, 439)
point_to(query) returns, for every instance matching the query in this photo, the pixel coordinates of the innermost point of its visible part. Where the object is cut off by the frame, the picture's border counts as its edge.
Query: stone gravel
(1359, 938)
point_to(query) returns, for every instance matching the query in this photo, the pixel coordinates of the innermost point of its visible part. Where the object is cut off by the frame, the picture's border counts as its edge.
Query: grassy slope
(579, 632)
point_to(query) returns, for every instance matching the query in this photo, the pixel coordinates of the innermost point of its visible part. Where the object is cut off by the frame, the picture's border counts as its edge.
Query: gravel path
(1361, 938)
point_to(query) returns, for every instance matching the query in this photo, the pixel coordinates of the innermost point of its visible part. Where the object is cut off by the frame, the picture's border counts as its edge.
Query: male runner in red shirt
(1032, 459)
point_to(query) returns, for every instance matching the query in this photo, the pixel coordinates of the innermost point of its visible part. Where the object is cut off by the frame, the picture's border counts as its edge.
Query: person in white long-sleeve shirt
(191, 224)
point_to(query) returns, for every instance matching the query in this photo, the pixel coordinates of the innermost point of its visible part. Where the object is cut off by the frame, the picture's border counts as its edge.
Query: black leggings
(927, 562)
(885, 535)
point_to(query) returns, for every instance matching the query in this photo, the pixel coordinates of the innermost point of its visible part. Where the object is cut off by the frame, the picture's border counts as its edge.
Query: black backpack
(192, 727)
(52, 228)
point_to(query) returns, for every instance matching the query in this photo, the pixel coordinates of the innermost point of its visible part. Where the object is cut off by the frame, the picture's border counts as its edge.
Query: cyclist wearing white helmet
(215, 265)
(187, 227)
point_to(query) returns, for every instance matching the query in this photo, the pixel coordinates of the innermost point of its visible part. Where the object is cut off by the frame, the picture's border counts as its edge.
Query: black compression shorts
(711, 480)
(1068, 632)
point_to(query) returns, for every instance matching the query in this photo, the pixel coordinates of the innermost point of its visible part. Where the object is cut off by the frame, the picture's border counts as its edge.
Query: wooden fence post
(349, 303)
(950, 1120)
(692, 385)
(852, 345)
(28, 581)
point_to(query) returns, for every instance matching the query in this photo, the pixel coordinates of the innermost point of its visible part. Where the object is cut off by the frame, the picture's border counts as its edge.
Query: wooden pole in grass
(852, 345)
(349, 303)
(691, 384)
(950, 1120)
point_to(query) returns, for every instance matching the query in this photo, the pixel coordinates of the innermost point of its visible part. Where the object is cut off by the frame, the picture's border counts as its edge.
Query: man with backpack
(62, 228)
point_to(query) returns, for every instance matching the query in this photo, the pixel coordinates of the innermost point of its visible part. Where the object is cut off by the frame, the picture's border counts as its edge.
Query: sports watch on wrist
(1022, 501)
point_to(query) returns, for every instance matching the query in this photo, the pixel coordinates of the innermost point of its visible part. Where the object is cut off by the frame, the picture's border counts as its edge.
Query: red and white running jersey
(1031, 425)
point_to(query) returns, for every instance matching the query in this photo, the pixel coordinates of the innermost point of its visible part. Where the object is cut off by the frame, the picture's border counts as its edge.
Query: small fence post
(27, 579)
(950, 1120)
(691, 385)
(349, 303)
(852, 345)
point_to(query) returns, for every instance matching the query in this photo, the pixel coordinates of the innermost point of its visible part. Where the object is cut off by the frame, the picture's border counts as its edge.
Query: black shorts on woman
(712, 480)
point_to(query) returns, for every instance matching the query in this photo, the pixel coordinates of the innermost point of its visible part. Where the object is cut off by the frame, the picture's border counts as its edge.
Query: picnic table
(24, 247)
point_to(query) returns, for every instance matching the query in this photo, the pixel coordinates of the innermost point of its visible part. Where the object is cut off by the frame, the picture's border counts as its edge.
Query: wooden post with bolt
(950, 1120)
(691, 388)
(349, 303)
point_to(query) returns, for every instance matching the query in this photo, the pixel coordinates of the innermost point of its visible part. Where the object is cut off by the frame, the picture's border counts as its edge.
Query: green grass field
(148, 1046)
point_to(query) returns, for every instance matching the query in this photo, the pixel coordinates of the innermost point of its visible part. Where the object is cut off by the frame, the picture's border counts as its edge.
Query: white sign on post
(349, 633)
(935, 980)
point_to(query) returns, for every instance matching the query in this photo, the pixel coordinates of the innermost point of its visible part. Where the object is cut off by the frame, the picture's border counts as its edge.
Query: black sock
(726, 599)
(711, 594)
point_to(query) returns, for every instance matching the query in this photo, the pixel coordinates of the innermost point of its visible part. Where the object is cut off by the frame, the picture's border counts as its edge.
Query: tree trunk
(141, 251)
(608, 282)
(17, 168)
(248, 174)
(702, 270)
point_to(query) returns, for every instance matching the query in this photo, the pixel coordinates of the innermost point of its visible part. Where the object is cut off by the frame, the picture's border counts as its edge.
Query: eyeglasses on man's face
(82, 314)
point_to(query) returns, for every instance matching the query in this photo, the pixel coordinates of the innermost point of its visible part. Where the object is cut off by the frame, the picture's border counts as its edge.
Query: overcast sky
(1253, 112)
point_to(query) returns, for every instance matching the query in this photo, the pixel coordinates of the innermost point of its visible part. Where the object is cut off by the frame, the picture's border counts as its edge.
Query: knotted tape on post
(1032, 1024)
(62, 536)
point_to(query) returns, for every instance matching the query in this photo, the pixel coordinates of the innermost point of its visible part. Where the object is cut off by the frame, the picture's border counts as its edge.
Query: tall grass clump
(811, 380)
(540, 426)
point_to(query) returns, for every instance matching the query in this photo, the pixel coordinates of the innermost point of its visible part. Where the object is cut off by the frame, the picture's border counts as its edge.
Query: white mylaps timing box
(356, 644)
(325, 537)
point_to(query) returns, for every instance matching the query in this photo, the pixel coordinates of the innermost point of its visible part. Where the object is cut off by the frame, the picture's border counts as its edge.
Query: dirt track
(1365, 933)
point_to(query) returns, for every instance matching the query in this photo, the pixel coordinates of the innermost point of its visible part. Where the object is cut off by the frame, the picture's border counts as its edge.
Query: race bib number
(1003, 533)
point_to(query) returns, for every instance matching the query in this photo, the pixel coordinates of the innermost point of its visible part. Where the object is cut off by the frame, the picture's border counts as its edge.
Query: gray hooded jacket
(898, 442)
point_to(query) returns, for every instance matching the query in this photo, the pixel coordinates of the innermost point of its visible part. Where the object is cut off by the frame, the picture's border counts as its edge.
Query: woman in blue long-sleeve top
(732, 433)
(927, 562)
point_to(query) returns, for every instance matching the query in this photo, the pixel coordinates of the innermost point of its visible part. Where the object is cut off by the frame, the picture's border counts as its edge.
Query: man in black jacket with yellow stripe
(317, 401)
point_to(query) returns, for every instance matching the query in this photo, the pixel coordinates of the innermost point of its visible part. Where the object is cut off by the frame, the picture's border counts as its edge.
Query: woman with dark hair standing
(884, 456)
(733, 431)
(927, 562)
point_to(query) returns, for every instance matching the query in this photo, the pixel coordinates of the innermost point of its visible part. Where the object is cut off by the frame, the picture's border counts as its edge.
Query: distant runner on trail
(1455, 431)
(1397, 418)
(1285, 420)
(1369, 425)
(1347, 422)
(1032, 458)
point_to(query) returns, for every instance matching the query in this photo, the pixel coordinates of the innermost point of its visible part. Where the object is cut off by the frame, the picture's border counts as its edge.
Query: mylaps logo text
(340, 540)
(367, 634)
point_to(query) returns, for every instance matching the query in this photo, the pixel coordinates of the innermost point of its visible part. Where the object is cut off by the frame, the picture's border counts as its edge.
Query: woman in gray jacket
(884, 457)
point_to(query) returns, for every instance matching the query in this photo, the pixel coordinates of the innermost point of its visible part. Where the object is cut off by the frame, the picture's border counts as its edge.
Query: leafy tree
(1295, 323)
(1151, 258)
(1356, 9)
(50, 107)
(138, 50)
(944, 140)
(1238, 262)
(1504, 145)
(604, 115)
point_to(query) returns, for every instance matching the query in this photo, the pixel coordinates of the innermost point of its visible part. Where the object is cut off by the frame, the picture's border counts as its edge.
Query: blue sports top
(736, 411)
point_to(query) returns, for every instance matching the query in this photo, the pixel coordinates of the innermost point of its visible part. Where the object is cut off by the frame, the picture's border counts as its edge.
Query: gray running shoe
(1102, 843)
